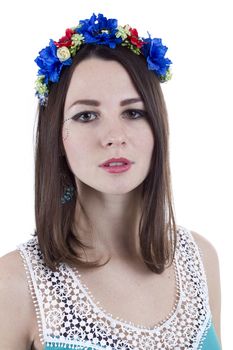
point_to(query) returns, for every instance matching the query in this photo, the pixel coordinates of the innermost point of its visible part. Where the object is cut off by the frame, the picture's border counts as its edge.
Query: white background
(199, 102)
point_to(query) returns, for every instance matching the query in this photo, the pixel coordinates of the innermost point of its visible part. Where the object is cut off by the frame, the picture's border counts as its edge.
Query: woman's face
(106, 128)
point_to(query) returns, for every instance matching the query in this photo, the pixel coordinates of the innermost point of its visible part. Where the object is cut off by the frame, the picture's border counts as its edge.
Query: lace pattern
(68, 314)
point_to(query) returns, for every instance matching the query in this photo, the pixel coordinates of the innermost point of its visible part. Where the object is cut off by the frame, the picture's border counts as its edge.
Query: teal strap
(211, 340)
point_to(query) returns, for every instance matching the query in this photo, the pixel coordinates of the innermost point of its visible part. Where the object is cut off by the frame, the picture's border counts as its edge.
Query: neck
(114, 221)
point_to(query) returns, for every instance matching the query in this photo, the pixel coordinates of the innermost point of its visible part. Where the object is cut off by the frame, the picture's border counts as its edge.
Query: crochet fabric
(69, 317)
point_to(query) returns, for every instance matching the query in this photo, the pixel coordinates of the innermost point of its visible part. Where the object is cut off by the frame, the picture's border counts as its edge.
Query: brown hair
(54, 221)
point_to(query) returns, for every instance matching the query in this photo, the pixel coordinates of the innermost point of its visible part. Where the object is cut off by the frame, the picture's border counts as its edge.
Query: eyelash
(78, 116)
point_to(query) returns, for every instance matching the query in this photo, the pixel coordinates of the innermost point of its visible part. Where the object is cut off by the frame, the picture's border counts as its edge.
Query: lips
(125, 161)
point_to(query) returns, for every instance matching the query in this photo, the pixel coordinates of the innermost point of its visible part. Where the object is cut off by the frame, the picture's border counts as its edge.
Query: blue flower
(154, 51)
(49, 63)
(99, 30)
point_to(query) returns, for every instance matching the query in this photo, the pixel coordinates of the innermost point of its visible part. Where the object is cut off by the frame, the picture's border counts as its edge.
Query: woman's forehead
(97, 69)
(97, 79)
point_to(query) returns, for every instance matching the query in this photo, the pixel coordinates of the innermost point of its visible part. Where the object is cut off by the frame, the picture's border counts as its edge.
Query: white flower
(63, 53)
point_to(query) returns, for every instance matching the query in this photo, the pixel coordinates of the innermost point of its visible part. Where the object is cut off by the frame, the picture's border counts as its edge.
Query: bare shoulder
(15, 303)
(12, 267)
(211, 265)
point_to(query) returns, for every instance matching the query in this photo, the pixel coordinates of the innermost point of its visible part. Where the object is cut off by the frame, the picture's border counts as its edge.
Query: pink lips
(123, 160)
(117, 168)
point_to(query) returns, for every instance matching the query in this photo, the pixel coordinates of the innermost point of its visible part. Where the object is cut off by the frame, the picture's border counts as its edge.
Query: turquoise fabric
(211, 340)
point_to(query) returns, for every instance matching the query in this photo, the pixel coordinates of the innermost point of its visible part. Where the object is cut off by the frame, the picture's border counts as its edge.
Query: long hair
(54, 221)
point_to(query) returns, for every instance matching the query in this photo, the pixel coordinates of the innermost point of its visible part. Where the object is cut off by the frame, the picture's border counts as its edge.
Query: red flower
(134, 38)
(65, 40)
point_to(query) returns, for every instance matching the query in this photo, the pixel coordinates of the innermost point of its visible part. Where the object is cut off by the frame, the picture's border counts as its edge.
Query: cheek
(146, 149)
(145, 140)
(76, 147)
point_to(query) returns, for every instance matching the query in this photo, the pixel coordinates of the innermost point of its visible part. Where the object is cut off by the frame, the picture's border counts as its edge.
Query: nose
(115, 141)
(115, 135)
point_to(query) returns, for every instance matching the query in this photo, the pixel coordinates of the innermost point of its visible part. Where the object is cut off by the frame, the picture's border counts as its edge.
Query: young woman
(107, 267)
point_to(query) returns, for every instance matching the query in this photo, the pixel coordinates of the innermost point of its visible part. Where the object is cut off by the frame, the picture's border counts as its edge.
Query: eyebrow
(97, 103)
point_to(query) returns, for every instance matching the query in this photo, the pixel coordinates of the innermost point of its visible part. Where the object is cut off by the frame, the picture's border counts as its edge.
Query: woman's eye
(84, 116)
(135, 113)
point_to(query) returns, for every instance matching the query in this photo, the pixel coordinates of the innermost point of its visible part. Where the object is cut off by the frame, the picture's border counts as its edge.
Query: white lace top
(69, 317)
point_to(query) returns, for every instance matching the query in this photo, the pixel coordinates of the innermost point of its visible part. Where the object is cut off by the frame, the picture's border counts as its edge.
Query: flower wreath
(101, 31)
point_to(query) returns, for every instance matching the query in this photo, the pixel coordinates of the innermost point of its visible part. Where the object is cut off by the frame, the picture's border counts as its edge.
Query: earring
(68, 194)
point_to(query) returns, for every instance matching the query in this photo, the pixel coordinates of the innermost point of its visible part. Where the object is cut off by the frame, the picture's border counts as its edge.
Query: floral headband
(98, 31)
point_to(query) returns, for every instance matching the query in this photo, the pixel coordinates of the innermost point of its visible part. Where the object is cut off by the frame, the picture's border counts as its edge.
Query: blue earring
(68, 195)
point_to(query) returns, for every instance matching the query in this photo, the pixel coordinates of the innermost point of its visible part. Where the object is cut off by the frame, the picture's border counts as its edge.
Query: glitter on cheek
(65, 132)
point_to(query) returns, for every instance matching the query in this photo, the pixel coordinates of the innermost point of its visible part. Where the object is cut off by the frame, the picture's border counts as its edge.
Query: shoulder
(210, 260)
(11, 267)
(14, 300)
